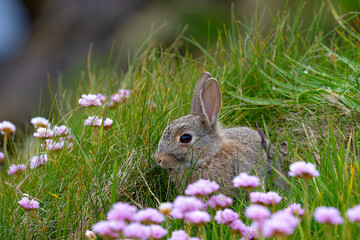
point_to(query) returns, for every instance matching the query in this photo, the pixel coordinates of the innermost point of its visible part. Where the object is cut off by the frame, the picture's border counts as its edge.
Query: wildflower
(7, 128)
(157, 232)
(43, 133)
(179, 235)
(245, 181)
(267, 199)
(2, 156)
(295, 209)
(226, 216)
(137, 230)
(280, 224)
(104, 229)
(13, 169)
(250, 232)
(257, 213)
(28, 204)
(124, 93)
(61, 131)
(122, 211)
(115, 99)
(40, 122)
(90, 100)
(197, 217)
(101, 97)
(165, 208)
(90, 235)
(149, 216)
(328, 215)
(202, 187)
(184, 204)
(220, 201)
(353, 214)
(37, 161)
(303, 170)
(95, 121)
(238, 227)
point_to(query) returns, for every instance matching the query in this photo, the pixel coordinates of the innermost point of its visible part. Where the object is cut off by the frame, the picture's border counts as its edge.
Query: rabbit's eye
(185, 138)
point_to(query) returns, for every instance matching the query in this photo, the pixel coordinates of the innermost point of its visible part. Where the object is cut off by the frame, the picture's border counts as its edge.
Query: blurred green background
(43, 41)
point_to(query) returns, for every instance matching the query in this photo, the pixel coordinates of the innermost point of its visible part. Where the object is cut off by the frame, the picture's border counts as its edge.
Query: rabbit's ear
(195, 104)
(210, 97)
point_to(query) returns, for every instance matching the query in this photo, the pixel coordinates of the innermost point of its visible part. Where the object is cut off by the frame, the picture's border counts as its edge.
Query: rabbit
(196, 146)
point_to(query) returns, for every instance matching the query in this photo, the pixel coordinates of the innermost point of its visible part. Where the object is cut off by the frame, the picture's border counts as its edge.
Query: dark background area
(42, 41)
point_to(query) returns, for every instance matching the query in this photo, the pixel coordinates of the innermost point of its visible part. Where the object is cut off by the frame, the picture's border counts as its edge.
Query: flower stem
(307, 211)
(5, 146)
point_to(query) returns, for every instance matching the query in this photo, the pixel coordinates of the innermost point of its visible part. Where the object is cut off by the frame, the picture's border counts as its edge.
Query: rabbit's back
(251, 154)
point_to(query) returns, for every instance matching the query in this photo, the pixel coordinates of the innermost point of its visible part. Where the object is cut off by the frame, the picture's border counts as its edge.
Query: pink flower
(27, 204)
(38, 161)
(202, 187)
(137, 230)
(7, 128)
(51, 145)
(303, 170)
(197, 217)
(40, 122)
(183, 205)
(115, 99)
(157, 232)
(267, 199)
(124, 93)
(90, 100)
(122, 212)
(61, 131)
(328, 215)
(13, 169)
(226, 216)
(96, 121)
(101, 97)
(104, 229)
(281, 224)
(257, 213)
(43, 133)
(220, 201)
(2, 156)
(90, 235)
(149, 216)
(165, 208)
(353, 214)
(250, 233)
(295, 209)
(238, 227)
(245, 181)
(179, 235)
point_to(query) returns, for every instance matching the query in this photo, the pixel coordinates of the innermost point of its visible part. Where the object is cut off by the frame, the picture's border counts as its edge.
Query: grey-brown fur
(214, 153)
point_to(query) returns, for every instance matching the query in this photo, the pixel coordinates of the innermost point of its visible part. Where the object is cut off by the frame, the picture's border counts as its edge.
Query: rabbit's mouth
(170, 162)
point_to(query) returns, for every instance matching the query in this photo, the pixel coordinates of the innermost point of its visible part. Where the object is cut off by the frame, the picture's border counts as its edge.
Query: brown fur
(214, 153)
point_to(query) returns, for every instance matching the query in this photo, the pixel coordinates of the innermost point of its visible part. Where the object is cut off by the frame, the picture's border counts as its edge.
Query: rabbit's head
(191, 139)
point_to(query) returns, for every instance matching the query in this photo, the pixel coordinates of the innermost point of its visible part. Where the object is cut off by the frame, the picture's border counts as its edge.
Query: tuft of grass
(300, 85)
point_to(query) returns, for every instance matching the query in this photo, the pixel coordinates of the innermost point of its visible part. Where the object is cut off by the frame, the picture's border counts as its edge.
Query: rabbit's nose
(158, 158)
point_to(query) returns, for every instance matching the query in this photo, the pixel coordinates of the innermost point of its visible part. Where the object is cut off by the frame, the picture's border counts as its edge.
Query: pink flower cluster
(124, 218)
(245, 181)
(303, 170)
(13, 169)
(7, 128)
(220, 201)
(190, 209)
(267, 199)
(118, 97)
(2, 156)
(353, 214)
(55, 146)
(203, 187)
(37, 161)
(28, 204)
(96, 121)
(328, 215)
(280, 224)
(92, 100)
(40, 122)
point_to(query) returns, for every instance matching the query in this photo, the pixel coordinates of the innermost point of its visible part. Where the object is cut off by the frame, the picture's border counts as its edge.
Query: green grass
(300, 85)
